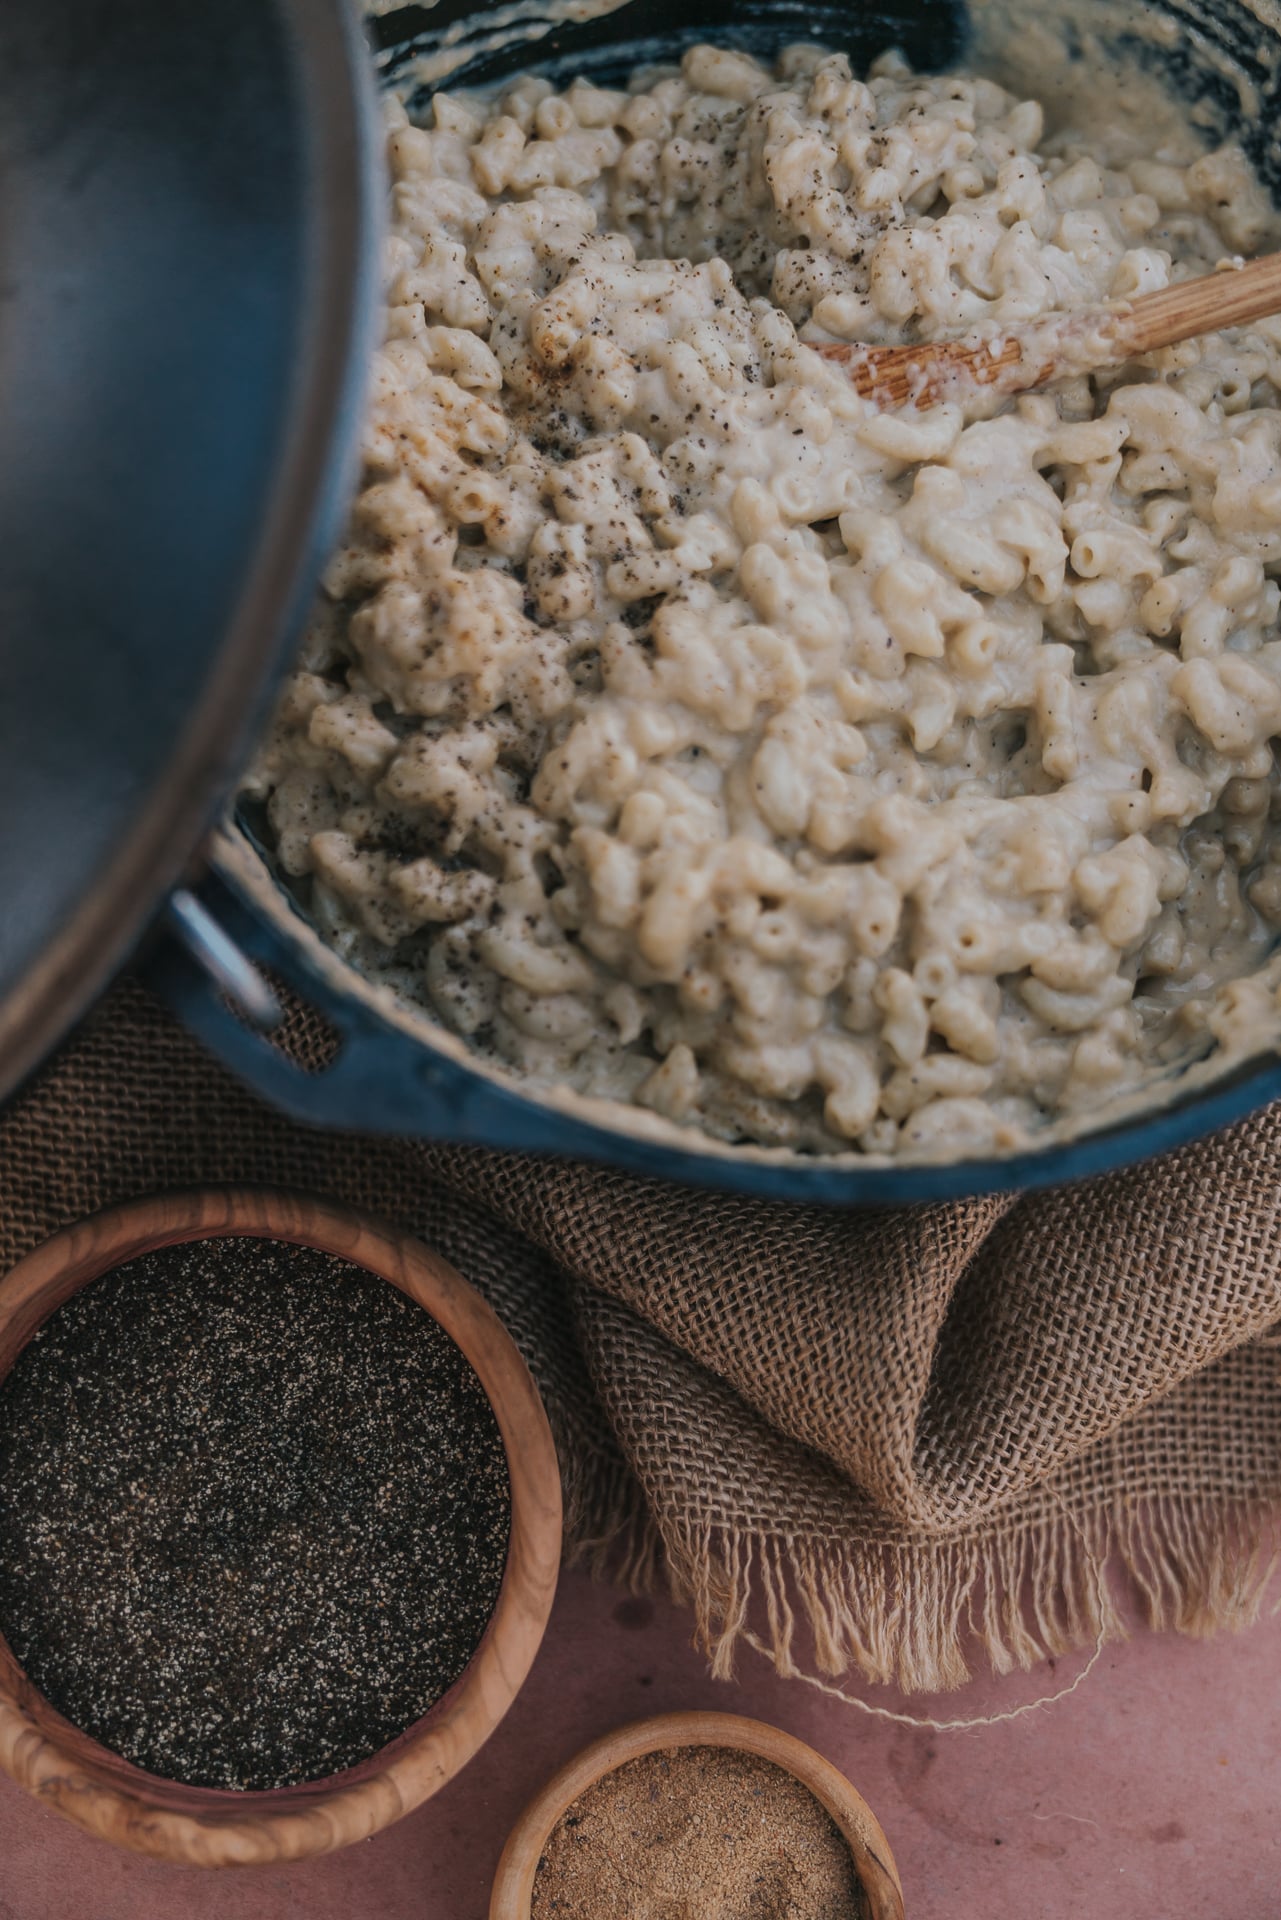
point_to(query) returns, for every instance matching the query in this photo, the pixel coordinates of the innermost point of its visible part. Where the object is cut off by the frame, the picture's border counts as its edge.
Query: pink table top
(1151, 1793)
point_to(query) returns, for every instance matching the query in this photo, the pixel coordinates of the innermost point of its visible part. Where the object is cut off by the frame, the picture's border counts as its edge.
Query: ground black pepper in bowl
(254, 1512)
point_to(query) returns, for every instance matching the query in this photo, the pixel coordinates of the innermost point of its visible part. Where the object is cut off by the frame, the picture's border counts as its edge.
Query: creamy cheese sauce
(683, 731)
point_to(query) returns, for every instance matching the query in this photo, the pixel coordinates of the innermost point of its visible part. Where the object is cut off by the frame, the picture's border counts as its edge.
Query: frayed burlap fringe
(919, 1616)
(894, 1445)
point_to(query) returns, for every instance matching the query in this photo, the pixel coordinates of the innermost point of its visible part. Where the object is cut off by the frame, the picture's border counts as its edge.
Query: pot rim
(201, 1826)
(512, 1895)
(397, 1071)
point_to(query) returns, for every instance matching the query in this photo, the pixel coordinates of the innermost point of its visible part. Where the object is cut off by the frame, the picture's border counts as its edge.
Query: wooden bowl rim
(513, 1887)
(111, 1798)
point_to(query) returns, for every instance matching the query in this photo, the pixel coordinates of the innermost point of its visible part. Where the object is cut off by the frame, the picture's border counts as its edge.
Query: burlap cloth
(882, 1440)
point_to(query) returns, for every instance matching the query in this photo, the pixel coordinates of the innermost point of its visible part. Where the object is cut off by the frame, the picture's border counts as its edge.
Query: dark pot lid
(188, 224)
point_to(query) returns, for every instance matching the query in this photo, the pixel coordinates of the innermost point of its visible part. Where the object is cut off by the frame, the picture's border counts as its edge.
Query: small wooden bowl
(513, 1890)
(198, 1826)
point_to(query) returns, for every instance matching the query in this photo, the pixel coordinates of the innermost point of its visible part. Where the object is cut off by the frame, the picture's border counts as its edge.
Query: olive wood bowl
(200, 1826)
(513, 1889)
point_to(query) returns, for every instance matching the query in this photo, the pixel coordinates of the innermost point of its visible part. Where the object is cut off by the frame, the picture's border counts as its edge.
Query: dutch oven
(164, 567)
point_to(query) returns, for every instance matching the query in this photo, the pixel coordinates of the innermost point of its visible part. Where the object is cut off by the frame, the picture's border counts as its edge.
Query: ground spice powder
(697, 1833)
(254, 1512)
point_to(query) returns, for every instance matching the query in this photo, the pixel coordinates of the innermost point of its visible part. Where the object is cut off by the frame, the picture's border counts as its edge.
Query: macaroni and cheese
(682, 730)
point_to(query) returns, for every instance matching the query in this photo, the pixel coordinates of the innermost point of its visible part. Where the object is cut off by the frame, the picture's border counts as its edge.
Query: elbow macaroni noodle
(680, 730)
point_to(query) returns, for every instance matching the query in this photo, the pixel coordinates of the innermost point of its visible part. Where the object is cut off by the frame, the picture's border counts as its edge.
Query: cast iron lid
(187, 216)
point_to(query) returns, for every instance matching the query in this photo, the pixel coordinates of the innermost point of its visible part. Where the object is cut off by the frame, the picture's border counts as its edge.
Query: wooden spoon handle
(1061, 343)
(1228, 298)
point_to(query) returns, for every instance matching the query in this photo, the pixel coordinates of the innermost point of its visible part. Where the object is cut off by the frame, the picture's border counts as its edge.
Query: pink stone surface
(1151, 1793)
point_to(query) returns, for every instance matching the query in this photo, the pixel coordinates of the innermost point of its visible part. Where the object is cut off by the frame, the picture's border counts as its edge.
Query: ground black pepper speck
(254, 1512)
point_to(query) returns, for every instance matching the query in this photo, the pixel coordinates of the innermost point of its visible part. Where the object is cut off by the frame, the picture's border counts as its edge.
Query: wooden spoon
(1061, 344)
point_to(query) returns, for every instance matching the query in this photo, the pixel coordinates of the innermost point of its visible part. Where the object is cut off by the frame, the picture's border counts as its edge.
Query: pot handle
(235, 976)
(207, 967)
